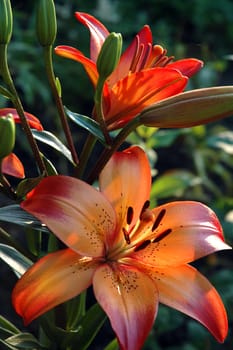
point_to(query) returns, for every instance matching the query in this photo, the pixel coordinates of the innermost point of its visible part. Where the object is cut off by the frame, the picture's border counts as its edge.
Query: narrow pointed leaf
(24, 341)
(15, 215)
(6, 324)
(87, 123)
(4, 92)
(51, 140)
(17, 261)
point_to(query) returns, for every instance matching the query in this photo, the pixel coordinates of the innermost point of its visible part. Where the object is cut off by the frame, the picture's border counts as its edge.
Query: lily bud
(190, 108)
(7, 135)
(46, 23)
(6, 21)
(109, 55)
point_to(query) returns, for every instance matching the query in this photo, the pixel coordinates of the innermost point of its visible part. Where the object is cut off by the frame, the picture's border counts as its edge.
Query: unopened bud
(46, 23)
(6, 21)
(191, 108)
(109, 55)
(7, 135)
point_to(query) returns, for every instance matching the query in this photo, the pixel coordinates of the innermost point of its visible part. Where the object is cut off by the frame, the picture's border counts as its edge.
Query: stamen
(145, 206)
(129, 218)
(142, 245)
(162, 235)
(126, 235)
(158, 219)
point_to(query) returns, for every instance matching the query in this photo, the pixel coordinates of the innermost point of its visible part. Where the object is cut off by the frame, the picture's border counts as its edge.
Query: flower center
(147, 230)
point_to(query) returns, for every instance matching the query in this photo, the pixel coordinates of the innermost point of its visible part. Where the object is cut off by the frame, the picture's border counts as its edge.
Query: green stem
(108, 152)
(99, 110)
(85, 155)
(4, 71)
(58, 101)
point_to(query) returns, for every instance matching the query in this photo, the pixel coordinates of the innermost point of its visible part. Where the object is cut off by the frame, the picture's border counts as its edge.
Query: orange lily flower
(11, 165)
(144, 75)
(134, 257)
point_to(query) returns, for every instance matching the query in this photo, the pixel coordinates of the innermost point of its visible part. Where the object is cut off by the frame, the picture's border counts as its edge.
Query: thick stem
(58, 101)
(4, 71)
(108, 152)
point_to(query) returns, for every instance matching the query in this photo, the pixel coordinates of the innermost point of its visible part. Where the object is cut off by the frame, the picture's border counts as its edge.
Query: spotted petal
(126, 182)
(185, 289)
(132, 94)
(185, 232)
(54, 279)
(74, 211)
(130, 300)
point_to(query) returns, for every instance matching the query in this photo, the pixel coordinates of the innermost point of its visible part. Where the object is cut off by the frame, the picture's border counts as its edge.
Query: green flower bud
(6, 21)
(46, 23)
(190, 108)
(7, 135)
(109, 55)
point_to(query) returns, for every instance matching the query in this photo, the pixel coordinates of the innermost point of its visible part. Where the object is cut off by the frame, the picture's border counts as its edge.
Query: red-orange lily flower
(134, 257)
(144, 75)
(11, 165)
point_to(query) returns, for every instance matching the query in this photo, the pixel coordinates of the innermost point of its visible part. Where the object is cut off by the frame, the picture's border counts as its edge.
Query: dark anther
(129, 215)
(126, 235)
(158, 219)
(162, 235)
(142, 245)
(145, 206)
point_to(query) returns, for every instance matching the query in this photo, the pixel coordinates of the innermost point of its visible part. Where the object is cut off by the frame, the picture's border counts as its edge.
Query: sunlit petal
(33, 121)
(75, 212)
(11, 165)
(144, 37)
(76, 55)
(187, 231)
(185, 289)
(130, 300)
(132, 94)
(55, 278)
(126, 182)
(97, 30)
(187, 66)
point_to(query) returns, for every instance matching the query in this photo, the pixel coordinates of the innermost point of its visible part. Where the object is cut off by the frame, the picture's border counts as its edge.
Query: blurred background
(193, 164)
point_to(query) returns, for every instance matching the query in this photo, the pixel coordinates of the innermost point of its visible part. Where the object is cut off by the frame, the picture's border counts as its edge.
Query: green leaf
(224, 141)
(51, 140)
(91, 324)
(4, 92)
(6, 324)
(15, 215)
(87, 123)
(5, 346)
(113, 345)
(26, 185)
(24, 341)
(17, 261)
(173, 184)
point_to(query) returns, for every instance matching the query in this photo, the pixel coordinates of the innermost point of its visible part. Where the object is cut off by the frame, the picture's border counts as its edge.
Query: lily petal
(54, 279)
(142, 39)
(187, 66)
(97, 30)
(130, 299)
(132, 94)
(126, 182)
(74, 211)
(185, 289)
(187, 231)
(76, 55)
(32, 120)
(11, 165)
